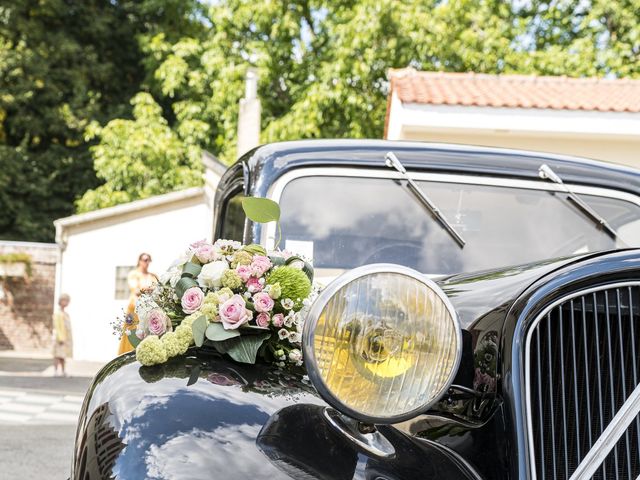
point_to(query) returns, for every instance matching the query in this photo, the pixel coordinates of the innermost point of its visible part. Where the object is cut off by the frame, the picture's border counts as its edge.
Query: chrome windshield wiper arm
(545, 172)
(392, 161)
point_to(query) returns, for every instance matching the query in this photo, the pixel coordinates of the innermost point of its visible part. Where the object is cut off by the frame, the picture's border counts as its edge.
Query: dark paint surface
(197, 415)
(206, 417)
(268, 162)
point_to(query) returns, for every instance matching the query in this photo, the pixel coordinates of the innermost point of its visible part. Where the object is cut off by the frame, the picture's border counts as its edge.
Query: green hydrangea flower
(294, 284)
(210, 310)
(151, 351)
(184, 334)
(231, 279)
(172, 344)
(189, 319)
(241, 258)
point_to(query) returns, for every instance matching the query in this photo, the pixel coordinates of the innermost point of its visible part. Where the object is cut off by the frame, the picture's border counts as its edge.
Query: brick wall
(26, 305)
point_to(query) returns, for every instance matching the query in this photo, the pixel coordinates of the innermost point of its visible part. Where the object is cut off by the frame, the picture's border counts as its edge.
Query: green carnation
(231, 279)
(151, 351)
(241, 258)
(294, 284)
(172, 344)
(184, 334)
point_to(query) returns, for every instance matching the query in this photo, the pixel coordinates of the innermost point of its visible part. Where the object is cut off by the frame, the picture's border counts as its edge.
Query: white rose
(211, 274)
(171, 276)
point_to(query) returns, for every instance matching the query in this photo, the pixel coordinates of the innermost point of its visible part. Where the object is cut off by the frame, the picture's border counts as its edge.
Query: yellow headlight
(382, 343)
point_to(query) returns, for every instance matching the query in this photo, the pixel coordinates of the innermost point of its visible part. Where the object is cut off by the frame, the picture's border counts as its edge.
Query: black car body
(548, 347)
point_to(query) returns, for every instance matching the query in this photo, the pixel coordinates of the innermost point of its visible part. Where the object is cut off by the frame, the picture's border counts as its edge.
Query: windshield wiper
(545, 172)
(392, 161)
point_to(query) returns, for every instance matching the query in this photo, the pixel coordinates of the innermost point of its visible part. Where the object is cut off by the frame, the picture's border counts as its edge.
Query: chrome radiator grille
(582, 362)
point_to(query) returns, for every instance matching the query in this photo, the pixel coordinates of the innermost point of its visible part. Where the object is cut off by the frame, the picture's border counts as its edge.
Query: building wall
(26, 305)
(94, 250)
(622, 152)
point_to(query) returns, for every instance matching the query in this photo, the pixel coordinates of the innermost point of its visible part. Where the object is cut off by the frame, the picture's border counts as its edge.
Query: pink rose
(278, 320)
(195, 245)
(260, 265)
(234, 313)
(192, 299)
(254, 285)
(263, 302)
(206, 253)
(244, 272)
(262, 320)
(157, 322)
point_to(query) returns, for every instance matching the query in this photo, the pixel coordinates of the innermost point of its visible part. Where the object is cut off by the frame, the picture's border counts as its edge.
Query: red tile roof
(516, 91)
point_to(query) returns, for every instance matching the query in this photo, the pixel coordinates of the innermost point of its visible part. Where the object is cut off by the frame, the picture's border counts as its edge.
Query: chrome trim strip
(601, 448)
(316, 310)
(276, 189)
(527, 363)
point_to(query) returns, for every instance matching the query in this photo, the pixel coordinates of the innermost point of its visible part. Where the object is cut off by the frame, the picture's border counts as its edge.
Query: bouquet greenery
(238, 299)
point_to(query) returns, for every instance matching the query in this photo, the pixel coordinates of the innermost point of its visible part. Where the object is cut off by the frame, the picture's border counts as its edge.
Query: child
(62, 340)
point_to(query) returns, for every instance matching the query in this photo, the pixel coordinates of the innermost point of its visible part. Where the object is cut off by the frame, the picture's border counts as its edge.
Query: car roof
(268, 162)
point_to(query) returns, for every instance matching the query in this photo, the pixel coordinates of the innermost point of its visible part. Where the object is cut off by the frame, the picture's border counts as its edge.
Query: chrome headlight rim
(308, 337)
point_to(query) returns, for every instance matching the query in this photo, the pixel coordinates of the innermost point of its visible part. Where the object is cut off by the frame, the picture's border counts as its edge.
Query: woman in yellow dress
(139, 279)
(62, 339)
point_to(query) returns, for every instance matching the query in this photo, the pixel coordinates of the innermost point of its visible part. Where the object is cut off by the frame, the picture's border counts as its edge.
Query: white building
(594, 118)
(99, 248)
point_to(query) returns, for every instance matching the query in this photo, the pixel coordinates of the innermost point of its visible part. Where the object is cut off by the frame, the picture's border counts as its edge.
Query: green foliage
(18, 258)
(67, 75)
(141, 157)
(216, 332)
(243, 348)
(261, 210)
(199, 327)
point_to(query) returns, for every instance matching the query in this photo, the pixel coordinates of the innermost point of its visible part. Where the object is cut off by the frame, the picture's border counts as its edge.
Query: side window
(122, 286)
(233, 218)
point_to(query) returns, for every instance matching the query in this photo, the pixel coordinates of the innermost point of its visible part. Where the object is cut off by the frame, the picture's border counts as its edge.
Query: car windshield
(345, 222)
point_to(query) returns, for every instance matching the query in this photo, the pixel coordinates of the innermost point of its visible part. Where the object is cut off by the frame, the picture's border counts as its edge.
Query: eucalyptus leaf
(191, 270)
(133, 338)
(255, 249)
(216, 332)
(199, 327)
(261, 210)
(184, 284)
(254, 329)
(243, 348)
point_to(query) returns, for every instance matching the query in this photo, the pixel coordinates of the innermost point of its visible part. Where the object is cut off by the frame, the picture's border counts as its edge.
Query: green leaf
(191, 270)
(184, 284)
(133, 339)
(199, 327)
(261, 210)
(216, 332)
(243, 348)
(255, 249)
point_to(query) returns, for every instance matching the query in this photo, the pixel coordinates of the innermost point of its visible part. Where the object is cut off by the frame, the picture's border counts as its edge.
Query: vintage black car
(513, 354)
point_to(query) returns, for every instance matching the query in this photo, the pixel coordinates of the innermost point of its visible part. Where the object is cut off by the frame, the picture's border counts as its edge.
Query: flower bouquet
(239, 300)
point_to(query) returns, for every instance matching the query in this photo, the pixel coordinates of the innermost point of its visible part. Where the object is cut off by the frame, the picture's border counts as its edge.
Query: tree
(323, 65)
(63, 65)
